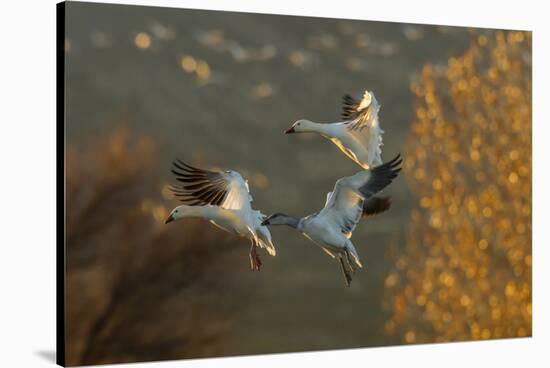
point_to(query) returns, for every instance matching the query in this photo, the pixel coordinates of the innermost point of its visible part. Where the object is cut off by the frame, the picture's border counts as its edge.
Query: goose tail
(354, 254)
(268, 246)
(264, 240)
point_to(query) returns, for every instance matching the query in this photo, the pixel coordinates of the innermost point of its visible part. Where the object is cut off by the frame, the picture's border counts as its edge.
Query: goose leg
(255, 261)
(347, 276)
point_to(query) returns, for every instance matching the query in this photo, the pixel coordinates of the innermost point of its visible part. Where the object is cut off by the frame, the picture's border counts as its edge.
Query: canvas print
(236, 183)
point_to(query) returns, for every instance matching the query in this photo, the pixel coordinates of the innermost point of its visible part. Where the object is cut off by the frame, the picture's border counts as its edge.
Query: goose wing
(345, 205)
(361, 112)
(199, 187)
(362, 117)
(376, 205)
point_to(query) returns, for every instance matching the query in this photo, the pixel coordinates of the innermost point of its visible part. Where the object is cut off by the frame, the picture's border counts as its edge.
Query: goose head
(280, 219)
(301, 126)
(178, 213)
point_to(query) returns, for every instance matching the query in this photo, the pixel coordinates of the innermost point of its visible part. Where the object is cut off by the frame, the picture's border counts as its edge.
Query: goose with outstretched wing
(223, 198)
(359, 135)
(351, 199)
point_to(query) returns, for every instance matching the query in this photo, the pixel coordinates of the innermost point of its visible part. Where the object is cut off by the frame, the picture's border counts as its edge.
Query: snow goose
(350, 200)
(359, 136)
(223, 198)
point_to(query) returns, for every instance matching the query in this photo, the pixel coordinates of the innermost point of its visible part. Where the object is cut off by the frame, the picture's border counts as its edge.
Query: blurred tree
(138, 290)
(465, 269)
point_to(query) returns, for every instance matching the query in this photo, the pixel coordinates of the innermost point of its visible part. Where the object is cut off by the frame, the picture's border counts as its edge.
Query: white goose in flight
(222, 198)
(352, 198)
(359, 136)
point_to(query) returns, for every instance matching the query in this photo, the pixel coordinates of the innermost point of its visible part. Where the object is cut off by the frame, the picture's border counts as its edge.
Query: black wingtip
(382, 176)
(393, 164)
(189, 167)
(184, 166)
(350, 105)
(395, 159)
(176, 164)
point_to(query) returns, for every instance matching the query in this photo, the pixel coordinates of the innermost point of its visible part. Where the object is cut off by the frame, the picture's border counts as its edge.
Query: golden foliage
(465, 271)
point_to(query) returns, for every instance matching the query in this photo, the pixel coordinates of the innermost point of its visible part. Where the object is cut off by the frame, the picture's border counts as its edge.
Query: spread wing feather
(346, 205)
(380, 177)
(362, 118)
(199, 187)
(361, 113)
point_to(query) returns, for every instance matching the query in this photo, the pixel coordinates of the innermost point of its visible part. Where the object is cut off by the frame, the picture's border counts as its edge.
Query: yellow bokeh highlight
(465, 269)
(203, 70)
(142, 40)
(188, 63)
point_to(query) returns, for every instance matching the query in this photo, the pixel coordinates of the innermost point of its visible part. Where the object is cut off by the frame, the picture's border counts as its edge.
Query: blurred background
(450, 261)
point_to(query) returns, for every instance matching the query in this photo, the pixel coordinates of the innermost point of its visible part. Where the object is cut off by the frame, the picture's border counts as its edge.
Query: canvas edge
(60, 184)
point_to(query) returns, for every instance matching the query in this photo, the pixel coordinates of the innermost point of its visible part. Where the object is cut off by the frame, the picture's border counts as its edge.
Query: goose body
(229, 220)
(358, 136)
(352, 198)
(332, 241)
(223, 198)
